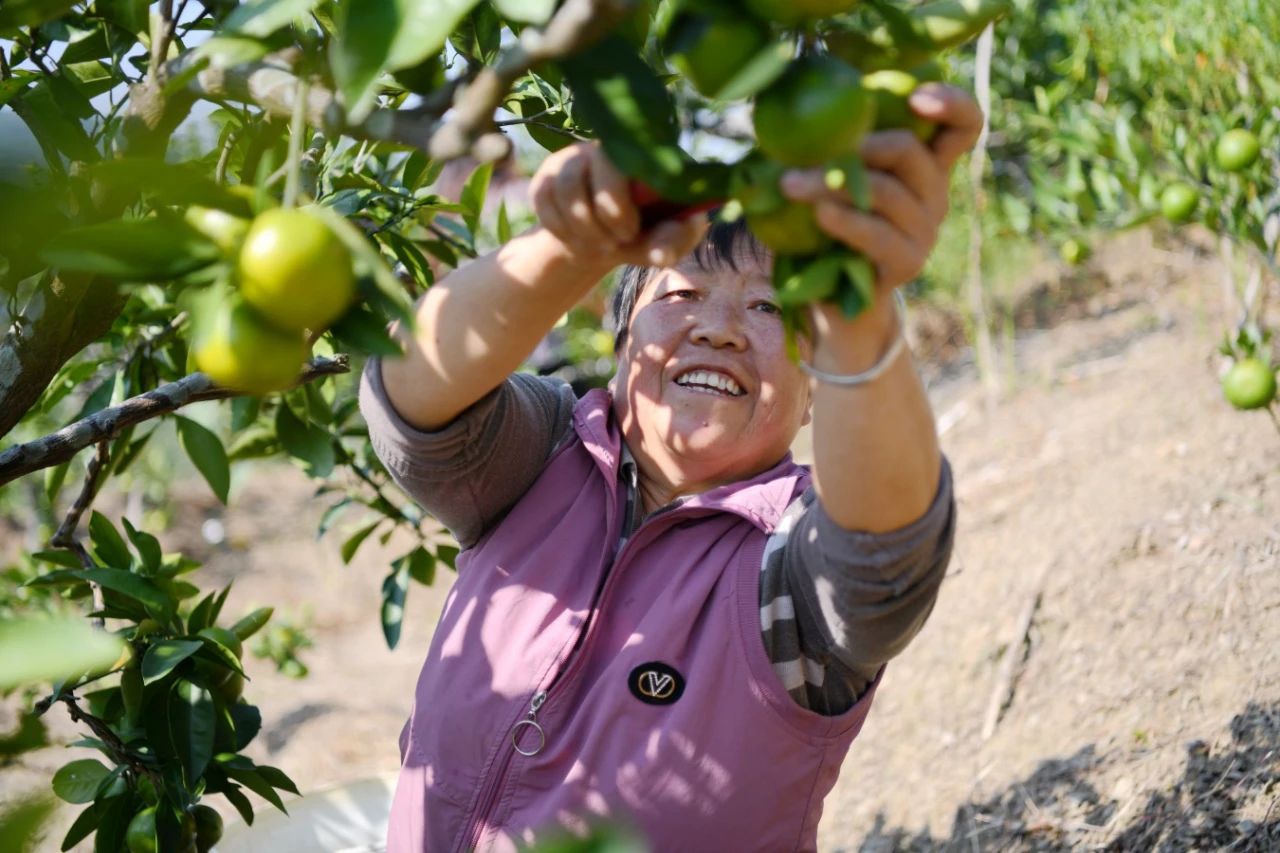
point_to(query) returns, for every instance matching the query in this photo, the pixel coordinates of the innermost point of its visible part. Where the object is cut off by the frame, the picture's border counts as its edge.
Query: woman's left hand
(909, 181)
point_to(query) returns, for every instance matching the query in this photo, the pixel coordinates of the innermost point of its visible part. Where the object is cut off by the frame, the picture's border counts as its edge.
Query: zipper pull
(532, 721)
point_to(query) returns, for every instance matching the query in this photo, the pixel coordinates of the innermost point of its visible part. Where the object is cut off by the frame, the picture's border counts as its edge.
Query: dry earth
(1112, 482)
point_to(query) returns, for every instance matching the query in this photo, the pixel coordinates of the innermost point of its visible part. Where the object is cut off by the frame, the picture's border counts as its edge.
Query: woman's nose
(720, 326)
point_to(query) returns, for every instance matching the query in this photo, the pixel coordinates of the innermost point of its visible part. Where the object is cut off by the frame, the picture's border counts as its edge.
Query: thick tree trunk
(60, 320)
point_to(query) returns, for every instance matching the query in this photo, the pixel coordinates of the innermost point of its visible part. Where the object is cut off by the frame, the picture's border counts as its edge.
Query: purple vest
(664, 713)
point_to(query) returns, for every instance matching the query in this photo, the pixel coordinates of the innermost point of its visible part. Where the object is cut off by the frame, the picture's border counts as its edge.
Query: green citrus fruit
(140, 837)
(1237, 150)
(208, 827)
(426, 76)
(1179, 201)
(790, 12)
(295, 272)
(891, 89)
(814, 113)
(788, 227)
(240, 351)
(1249, 384)
(1073, 251)
(226, 231)
(223, 680)
(710, 51)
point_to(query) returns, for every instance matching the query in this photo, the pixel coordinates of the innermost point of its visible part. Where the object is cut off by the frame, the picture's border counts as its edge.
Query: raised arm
(876, 457)
(477, 324)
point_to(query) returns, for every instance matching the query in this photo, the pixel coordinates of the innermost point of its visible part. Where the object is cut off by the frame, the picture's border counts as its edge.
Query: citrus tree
(228, 202)
(1160, 114)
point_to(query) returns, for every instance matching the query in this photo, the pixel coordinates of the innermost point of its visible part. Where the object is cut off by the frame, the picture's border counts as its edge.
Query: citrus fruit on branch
(242, 352)
(816, 112)
(710, 49)
(1237, 150)
(1249, 384)
(295, 272)
(785, 226)
(891, 89)
(1178, 202)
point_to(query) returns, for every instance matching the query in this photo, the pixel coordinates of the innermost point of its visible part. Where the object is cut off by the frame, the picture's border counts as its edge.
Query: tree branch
(65, 537)
(470, 129)
(102, 426)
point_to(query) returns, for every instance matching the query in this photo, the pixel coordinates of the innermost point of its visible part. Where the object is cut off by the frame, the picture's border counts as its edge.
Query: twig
(575, 25)
(65, 536)
(220, 171)
(1014, 654)
(161, 37)
(451, 240)
(119, 752)
(104, 425)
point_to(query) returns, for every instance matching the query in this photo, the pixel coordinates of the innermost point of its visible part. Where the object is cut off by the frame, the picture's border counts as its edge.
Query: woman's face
(704, 387)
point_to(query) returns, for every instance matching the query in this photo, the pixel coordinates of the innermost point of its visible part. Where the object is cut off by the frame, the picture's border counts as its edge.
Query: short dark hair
(721, 247)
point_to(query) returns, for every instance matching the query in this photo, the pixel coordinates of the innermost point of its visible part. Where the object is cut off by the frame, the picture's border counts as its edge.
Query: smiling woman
(648, 579)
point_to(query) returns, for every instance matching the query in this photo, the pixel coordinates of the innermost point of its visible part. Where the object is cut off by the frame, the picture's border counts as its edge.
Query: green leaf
(630, 111)
(250, 778)
(356, 539)
(169, 183)
(368, 256)
(85, 823)
(244, 411)
(361, 50)
(305, 442)
(240, 802)
(32, 13)
(421, 565)
(504, 224)
(133, 586)
(448, 555)
(58, 558)
(252, 623)
(191, 723)
(148, 546)
(50, 124)
(247, 721)
(107, 543)
(473, 193)
(129, 15)
(394, 589)
(208, 455)
(364, 331)
(131, 250)
(162, 657)
(276, 778)
(33, 651)
(78, 781)
(16, 84)
(763, 68)
(536, 12)
(261, 18)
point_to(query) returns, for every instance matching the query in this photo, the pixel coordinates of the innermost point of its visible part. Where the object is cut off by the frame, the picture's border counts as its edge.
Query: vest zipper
(476, 829)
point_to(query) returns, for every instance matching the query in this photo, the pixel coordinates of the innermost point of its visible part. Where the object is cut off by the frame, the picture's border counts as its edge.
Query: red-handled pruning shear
(654, 208)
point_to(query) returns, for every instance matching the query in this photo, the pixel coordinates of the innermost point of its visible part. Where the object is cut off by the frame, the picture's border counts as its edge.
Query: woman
(659, 618)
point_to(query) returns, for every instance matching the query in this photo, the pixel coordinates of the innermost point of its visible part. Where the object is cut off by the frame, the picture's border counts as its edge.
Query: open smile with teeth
(710, 382)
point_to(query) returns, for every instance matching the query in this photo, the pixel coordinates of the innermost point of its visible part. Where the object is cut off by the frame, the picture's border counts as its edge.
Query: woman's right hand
(585, 202)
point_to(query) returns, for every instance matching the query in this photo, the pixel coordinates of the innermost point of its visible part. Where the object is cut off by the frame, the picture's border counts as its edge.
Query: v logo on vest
(655, 683)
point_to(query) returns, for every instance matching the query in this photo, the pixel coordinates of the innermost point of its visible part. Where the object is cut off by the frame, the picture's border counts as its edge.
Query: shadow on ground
(1211, 807)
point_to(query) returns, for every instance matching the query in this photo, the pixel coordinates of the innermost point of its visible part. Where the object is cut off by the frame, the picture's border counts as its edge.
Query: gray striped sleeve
(469, 472)
(837, 604)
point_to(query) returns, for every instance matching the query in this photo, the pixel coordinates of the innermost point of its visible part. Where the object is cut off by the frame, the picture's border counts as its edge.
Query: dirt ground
(1111, 487)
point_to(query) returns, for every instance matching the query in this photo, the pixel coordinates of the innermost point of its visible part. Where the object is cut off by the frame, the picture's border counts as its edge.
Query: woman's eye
(683, 294)
(768, 307)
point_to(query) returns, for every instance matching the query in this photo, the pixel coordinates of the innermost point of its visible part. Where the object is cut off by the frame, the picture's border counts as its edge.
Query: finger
(611, 197)
(573, 201)
(542, 192)
(896, 258)
(895, 203)
(906, 157)
(957, 114)
(670, 241)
